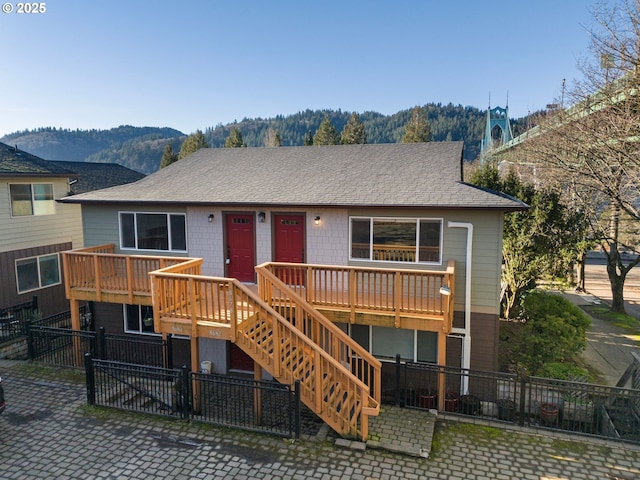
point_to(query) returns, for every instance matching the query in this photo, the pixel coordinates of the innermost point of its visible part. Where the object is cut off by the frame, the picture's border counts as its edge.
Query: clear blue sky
(193, 64)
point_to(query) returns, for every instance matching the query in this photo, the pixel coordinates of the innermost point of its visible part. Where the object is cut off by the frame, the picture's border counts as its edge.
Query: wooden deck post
(75, 325)
(257, 394)
(442, 361)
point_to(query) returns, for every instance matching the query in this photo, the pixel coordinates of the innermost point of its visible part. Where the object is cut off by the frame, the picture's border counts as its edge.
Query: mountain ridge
(141, 148)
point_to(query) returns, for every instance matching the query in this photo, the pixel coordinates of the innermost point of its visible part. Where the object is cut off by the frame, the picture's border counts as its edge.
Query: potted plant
(548, 413)
(506, 409)
(147, 321)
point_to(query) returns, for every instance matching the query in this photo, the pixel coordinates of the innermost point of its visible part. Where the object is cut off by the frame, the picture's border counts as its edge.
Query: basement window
(37, 272)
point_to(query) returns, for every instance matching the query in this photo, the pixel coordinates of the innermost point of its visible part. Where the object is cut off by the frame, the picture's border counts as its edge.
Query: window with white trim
(385, 343)
(37, 272)
(138, 319)
(31, 199)
(166, 232)
(409, 240)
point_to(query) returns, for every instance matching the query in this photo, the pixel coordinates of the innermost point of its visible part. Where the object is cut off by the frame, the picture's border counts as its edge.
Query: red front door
(240, 247)
(289, 246)
(289, 238)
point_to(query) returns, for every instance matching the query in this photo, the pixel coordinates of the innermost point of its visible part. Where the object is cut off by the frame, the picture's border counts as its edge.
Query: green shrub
(554, 331)
(562, 371)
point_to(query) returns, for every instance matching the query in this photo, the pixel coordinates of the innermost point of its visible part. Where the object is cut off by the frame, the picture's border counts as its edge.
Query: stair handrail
(370, 363)
(363, 390)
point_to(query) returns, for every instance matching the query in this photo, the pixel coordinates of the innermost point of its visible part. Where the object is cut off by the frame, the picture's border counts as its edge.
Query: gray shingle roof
(392, 175)
(94, 175)
(16, 163)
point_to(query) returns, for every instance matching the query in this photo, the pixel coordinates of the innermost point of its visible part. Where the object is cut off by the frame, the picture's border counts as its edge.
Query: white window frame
(414, 346)
(46, 209)
(38, 259)
(140, 330)
(135, 231)
(399, 219)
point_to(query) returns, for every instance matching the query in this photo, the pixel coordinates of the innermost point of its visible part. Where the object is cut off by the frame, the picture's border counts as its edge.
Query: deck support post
(257, 394)
(195, 367)
(442, 361)
(75, 325)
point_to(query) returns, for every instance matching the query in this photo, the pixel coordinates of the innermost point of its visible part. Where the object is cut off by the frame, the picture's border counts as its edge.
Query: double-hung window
(37, 272)
(153, 231)
(410, 240)
(31, 199)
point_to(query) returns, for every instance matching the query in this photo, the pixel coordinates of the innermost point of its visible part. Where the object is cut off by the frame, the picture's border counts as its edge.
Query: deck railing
(401, 292)
(99, 270)
(320, 330)
(205, 305)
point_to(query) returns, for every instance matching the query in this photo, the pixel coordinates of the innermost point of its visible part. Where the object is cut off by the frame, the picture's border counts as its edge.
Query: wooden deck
(286, 326)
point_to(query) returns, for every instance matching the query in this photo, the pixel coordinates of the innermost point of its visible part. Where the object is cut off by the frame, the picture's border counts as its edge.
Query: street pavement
(47, 432)
(609, 346)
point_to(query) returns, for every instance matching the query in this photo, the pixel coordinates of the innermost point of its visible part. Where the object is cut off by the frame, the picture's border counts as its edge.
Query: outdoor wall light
(317, 220)
(210, 217)
(261, 217)
(445, 290)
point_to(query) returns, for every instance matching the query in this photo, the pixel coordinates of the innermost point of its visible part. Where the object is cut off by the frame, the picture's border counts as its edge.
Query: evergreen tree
(308, 139)
(353, 132)
(326, 133)
(168, 157)
(193, 143)
(272, 138)
(417, 129)
(234, 140)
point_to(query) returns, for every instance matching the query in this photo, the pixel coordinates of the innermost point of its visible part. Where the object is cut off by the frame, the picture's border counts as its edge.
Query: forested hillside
(141, 148)
(138, 148)
(448, 122)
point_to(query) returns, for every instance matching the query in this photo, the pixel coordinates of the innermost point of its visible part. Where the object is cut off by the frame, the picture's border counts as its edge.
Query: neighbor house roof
(94, 176)
(17, 163)
(389, 175)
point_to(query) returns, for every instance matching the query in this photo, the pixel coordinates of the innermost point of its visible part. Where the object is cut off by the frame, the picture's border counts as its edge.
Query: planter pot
(470, 405)
(428, 400)
(548, 413)
(147, 321)
(451, 402)
(506, 409)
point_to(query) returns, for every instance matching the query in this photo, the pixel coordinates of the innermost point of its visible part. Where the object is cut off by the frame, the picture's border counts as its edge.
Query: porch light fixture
(210, 217)
(317, 220)
(445, 290)
(261, 217)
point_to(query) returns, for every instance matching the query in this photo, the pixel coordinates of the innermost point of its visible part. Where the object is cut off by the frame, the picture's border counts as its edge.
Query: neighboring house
(382, 206)
(35, 228)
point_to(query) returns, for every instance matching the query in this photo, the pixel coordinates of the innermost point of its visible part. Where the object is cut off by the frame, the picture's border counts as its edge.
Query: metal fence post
(90, 379)
(184, 391)
(397, 380)
(169, 347)
(523, 386)
(31, 350)
(102, 344)
(297, 409)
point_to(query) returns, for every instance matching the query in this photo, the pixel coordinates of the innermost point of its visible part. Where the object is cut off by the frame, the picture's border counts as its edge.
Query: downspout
(466, 331)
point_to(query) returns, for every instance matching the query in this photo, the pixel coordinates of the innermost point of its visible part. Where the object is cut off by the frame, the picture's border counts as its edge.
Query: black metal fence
(14, 319)
(268, 407)
(577, 407)
(65, 347)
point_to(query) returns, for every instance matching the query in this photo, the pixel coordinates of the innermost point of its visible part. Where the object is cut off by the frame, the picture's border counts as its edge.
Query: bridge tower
(497, 131)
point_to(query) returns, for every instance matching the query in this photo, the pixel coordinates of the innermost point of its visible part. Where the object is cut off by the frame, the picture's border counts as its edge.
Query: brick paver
(47, 432)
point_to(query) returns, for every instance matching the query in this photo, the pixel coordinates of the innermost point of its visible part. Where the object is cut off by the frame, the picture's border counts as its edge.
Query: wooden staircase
(280, 331)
